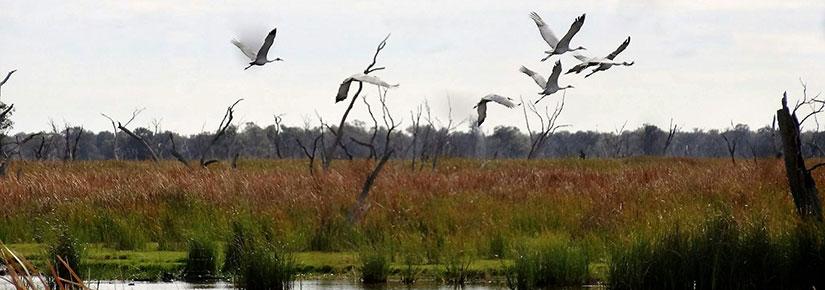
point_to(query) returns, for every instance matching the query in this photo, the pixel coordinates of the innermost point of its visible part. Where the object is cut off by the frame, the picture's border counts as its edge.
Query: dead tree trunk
(802, 185)
(142, 142)
(360, 207)
(731, 146)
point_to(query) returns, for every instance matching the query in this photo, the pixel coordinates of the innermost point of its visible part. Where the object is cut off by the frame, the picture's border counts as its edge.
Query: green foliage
(67, 248)
(202, 260)
(722, 254)
(256, 261)
(549, 262)
(374, 265)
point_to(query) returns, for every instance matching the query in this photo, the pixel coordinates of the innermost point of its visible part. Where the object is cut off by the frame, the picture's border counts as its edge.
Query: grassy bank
(467, 218)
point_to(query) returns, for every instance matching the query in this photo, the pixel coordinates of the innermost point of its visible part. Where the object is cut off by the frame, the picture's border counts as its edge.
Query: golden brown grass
(462, 203)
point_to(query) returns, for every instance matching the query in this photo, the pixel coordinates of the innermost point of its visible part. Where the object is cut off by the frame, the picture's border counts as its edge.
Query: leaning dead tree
(361, 205)
(220, 132)
(802, 185)
(672, 129)
(135, 113)
(122, 127)
(330, 151)
(547, 125)
(730, 145)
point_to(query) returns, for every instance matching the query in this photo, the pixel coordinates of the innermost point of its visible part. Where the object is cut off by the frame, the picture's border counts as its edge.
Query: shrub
(375, 266)
(201, 261)
(255, 262)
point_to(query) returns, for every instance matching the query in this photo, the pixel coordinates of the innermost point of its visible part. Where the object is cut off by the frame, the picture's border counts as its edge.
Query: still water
(299, 285)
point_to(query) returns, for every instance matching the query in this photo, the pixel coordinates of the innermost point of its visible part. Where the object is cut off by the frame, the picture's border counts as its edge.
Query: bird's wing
(248, 52)
(504, 101)
(536, 77)
(582, 57)
(619, 49)
(574, 28)
(545, 31)
(372, 80)
(482, 111)
(580, 67)
(270, 38)
(343, 90)
(554, 77)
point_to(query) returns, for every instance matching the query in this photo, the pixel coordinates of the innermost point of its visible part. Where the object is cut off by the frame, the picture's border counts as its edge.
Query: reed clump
(722, 254)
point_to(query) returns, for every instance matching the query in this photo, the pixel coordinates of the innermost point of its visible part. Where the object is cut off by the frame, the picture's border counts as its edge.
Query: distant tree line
(423, 142)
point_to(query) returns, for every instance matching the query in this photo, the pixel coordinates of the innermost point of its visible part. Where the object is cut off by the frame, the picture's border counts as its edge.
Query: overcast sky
(702, 63)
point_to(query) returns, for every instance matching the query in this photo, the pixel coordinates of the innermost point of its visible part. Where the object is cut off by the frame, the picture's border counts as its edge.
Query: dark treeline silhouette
(424, 143)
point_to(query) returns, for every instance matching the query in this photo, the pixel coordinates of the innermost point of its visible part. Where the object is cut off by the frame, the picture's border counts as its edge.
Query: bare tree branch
(222, 127)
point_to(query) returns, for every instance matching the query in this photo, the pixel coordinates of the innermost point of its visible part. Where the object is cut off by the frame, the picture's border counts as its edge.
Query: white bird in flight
(558, 46)
(482, 105)
(258, 58)
(604, 63)
(343, 89)
(551, 85)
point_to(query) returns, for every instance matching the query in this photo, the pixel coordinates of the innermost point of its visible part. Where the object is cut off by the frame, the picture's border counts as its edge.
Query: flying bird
(558, 46)
(551, 85)
(482, 105)
(258, 58)
(343, 90)
(608, 62)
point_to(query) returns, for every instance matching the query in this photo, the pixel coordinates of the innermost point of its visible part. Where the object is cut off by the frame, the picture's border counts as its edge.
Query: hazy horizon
(702, 63)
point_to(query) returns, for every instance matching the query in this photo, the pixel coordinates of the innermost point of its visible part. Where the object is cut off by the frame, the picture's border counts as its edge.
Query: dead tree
(548, 125)
(135, 113)
(361, 205)
(441, 138)
(672, 129)
(731, 146)
(7, 155)
(141, 141)
(311, 153)
(415, 118)
(6, 79)
(71, 148)
(330, 151)
(617, 141)
(220, 132)
(4, 124)
(277, 137)
(801, 183)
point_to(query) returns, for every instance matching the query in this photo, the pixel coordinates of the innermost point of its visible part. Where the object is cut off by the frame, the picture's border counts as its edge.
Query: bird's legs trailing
(591, 73)
(549, 54)
(250, 65)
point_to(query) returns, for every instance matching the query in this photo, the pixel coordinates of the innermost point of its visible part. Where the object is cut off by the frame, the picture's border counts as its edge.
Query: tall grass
(722, 254)
(550, 261)
(129, 205)
(255, 260)
(201, 260)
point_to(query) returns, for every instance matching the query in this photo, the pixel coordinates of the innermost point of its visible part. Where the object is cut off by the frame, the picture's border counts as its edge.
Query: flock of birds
(548, 86)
